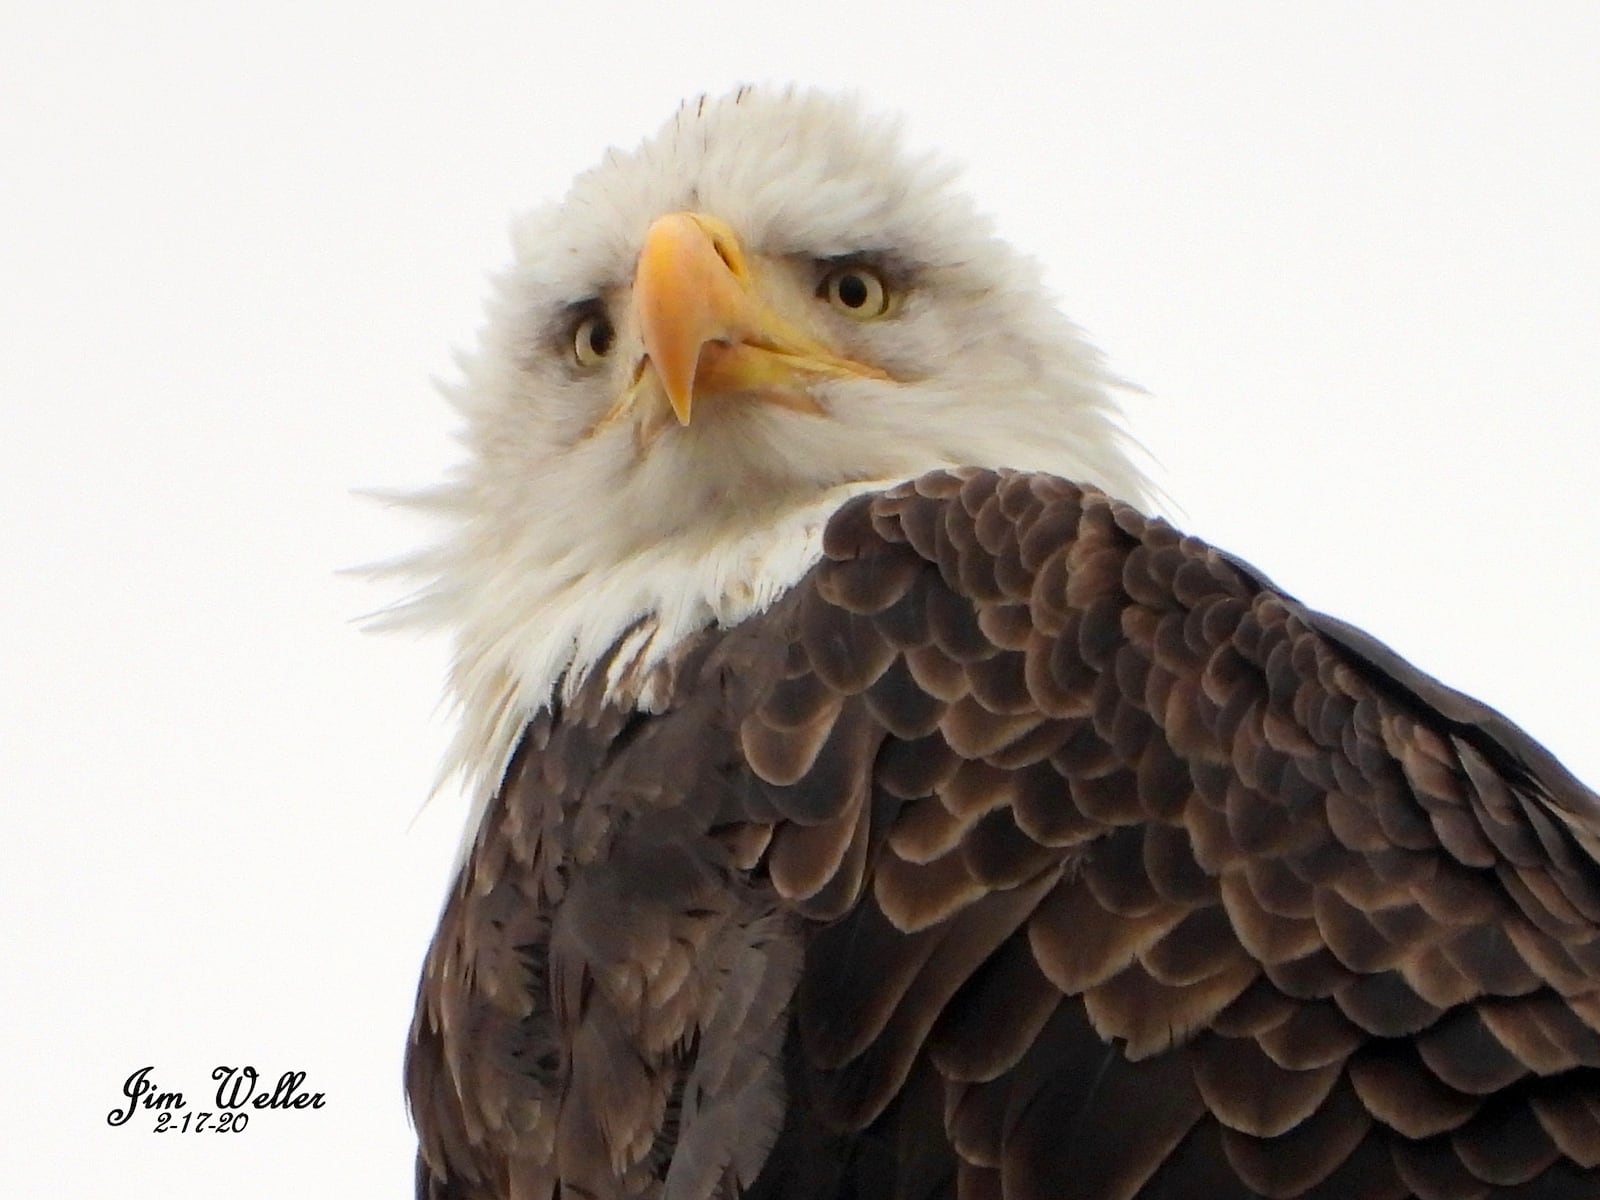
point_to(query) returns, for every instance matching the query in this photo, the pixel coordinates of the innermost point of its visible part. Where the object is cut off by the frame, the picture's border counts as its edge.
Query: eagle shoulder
(1025, 845)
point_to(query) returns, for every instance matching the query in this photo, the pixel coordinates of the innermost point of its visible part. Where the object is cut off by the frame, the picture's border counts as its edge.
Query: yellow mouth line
(623, 404)
(771, 375)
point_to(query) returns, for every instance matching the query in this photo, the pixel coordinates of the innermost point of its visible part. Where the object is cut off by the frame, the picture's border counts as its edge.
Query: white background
(1351, 252)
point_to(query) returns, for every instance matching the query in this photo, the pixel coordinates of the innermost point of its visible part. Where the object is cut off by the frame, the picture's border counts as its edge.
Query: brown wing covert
(1026, 849)
(1172, 888)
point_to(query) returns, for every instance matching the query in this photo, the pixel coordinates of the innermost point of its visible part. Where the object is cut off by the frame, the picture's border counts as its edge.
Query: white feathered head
(696, 356)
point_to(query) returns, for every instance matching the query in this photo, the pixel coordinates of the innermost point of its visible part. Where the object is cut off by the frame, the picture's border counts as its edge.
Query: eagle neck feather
(625, 618)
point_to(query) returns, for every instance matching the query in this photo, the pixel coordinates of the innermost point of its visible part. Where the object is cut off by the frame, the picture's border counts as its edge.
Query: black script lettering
(235, 1085)
(283, 1096)
(139, 1090)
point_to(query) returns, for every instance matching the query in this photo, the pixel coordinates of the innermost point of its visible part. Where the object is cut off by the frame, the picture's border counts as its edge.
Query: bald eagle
(872, 800)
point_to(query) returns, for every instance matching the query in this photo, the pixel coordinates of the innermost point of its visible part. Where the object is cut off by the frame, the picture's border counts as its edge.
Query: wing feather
(1256, 811)
(1116, 873)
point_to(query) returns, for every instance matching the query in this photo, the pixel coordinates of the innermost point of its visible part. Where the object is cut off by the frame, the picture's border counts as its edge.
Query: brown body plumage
(1029, 849)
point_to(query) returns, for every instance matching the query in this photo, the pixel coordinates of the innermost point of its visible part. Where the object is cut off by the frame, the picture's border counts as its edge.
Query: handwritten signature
(238, 1088)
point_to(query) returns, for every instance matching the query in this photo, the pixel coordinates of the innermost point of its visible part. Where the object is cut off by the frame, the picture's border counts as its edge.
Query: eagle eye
(592, 339)
(855, 290)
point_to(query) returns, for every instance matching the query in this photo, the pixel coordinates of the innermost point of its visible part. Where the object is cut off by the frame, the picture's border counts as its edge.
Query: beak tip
(682, 401)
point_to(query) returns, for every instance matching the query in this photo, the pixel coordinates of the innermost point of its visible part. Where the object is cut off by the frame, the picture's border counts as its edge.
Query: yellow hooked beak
(707, 331)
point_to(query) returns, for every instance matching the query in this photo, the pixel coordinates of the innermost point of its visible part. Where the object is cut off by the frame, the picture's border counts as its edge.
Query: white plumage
(564, 536)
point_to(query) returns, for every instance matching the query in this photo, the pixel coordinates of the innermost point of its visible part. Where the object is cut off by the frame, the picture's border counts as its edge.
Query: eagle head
(694, 358)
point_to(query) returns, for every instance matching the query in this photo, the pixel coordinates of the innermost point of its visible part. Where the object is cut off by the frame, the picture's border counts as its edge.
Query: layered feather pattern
(1026, 848)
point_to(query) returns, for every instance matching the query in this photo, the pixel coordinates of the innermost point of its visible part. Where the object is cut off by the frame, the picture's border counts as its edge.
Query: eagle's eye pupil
(593, 339)
(857, 291)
